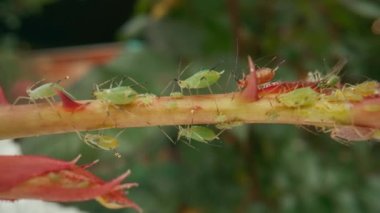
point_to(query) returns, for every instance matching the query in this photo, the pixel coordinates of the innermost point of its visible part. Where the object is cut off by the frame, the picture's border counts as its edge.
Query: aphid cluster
(255, 85)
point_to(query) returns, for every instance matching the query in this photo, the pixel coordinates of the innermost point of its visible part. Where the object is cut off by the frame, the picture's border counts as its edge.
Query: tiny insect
(299, 97)
(120, 95)
(197, 133)
(176, 95)
(285, 87)
(46, 91)
(348, 134)
(201, 79)
(263, 75)
(103, 142)
(147, 99)
(355, 93)
(332, 79)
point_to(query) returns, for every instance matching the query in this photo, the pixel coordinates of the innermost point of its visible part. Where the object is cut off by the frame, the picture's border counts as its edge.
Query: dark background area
(72, 22)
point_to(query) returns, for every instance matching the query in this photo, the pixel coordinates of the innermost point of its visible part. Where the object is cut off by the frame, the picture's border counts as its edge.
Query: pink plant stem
(41, 119)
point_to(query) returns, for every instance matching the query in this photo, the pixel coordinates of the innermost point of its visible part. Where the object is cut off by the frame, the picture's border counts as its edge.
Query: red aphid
(263, 75)
(68, 103)
(43, 178)
(284, 87)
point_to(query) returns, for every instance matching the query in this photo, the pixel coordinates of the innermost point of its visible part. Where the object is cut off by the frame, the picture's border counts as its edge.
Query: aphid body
(47, 90)
(147, 99)
(197, 133)
(176, 95)
(44, 91)
(104, 142)
(201, 79)
(347, 134)
(120, 95)
(329, 82)
(299, 97)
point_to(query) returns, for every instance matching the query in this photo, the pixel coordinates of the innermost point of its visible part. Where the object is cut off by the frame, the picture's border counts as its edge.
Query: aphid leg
(219, 133)
(166, 135)
(51, 100)
(208, 87)
(107, 109)
(21, 98)
(188, 141)
(98, 86)
(192, 111)
(119, 133)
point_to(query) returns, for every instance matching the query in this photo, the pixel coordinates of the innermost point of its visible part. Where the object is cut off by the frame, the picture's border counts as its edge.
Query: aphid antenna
(338, 67)
(119, 133)
(35, 84)
(168, 85)
(60, 80)
(98, 86)
(172, 82)
(135, 82)
(234, 70)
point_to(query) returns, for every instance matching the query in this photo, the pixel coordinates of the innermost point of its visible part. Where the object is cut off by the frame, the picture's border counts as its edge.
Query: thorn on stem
(68, 103)
(250, 92)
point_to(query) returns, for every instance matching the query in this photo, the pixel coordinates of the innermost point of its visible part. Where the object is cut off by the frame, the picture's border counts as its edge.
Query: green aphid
(45, 91)
(197, 133)
(201, 79)
(299, 97)
(147, 99)
(120, 95)
(103, 142)
(330, 82)
(332, 79)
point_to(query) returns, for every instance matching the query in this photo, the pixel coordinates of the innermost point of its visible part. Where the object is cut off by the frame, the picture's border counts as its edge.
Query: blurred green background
(254, 168)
